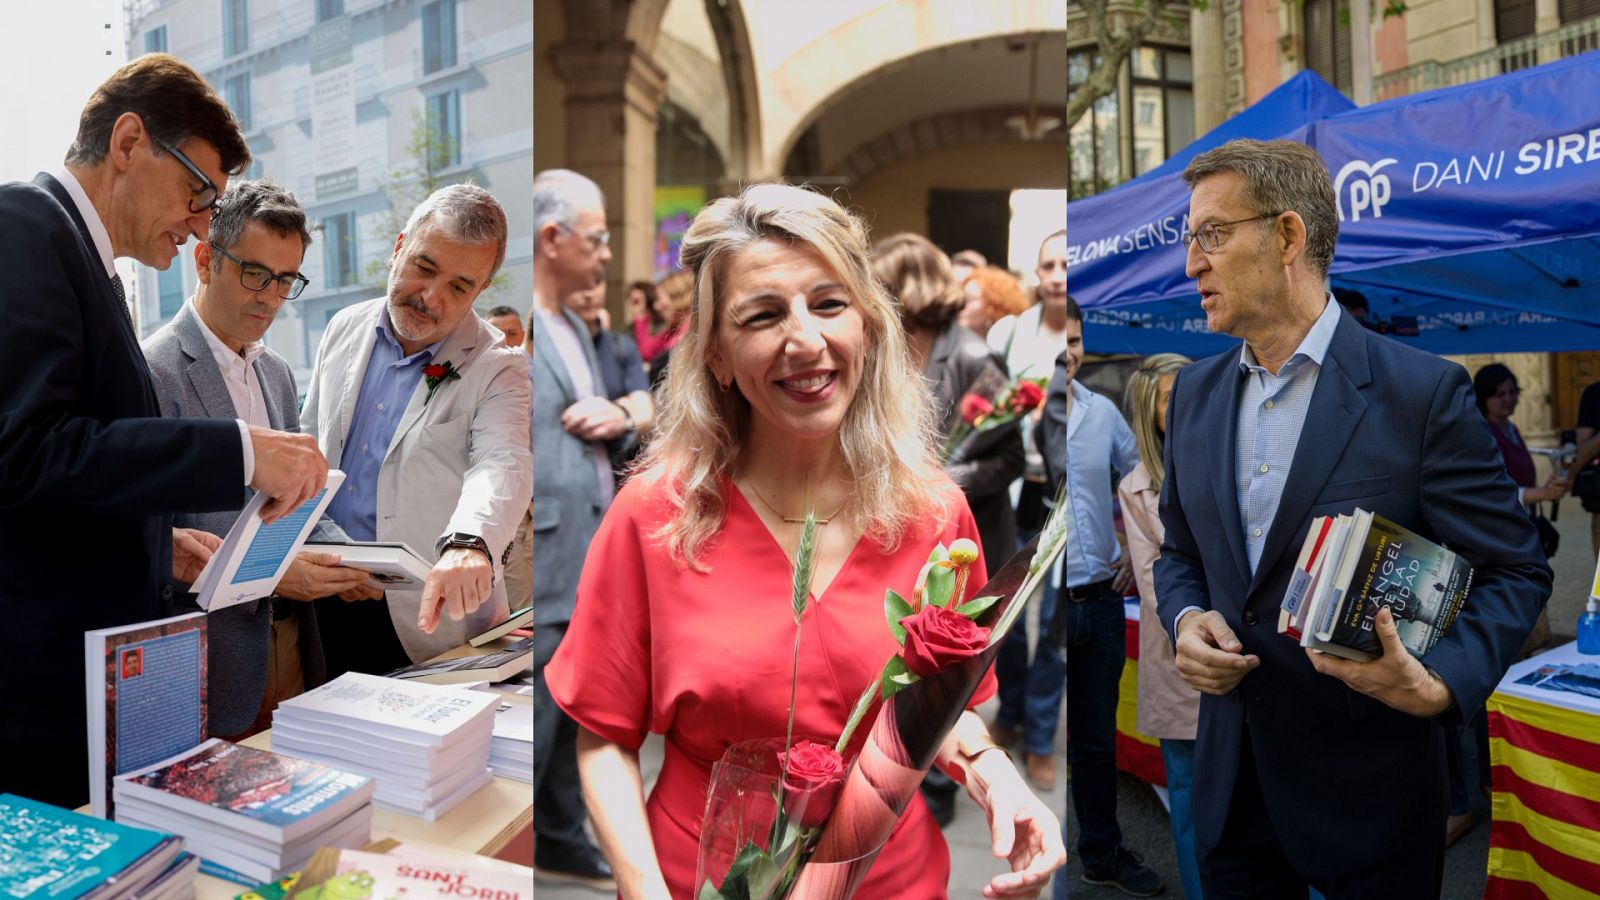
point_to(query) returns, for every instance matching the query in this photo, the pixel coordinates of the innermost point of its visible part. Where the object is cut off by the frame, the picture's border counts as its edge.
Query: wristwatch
(462, 539)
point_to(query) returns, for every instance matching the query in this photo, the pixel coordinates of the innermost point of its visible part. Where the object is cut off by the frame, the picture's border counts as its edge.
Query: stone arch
(930, 134)
(800, 88)
(739, 74)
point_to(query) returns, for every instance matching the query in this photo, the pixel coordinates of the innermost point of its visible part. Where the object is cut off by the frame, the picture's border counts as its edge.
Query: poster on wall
(674, 210)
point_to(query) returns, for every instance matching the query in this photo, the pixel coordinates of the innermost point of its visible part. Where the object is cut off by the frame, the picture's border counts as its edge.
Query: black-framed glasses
(1211, 234)
(256, 277)
(205, 198)
(596, 239)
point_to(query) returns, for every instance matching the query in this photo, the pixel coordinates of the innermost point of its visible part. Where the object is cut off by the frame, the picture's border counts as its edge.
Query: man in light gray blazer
(572, 421)
(209, 362)
(425, 409)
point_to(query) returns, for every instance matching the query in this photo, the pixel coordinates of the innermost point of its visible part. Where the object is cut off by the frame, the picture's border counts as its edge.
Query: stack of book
(49, 853)
(511, 751)
(250, 815)
(426, 745)
(1352, 566)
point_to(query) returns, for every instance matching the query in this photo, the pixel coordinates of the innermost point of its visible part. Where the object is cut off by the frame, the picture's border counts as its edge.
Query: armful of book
(1396, 678)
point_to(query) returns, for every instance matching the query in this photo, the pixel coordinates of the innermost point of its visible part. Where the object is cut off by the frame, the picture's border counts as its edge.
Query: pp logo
(1369, 191)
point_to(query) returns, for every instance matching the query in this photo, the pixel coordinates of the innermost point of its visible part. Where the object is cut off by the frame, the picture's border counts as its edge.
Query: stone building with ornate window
(1233, 52)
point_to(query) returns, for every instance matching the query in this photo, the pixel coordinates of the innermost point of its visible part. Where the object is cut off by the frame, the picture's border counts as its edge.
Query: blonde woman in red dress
(791, 389)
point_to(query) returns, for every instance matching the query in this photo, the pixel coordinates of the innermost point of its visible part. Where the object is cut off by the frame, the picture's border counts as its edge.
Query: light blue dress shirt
(1272, 412)
(386, 389)
(1098, 440)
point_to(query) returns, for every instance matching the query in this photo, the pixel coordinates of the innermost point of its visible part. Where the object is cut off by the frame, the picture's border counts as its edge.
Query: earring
(725, 385)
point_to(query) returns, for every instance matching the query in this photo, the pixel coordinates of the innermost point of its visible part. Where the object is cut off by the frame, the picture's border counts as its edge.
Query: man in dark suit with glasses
(90, 475)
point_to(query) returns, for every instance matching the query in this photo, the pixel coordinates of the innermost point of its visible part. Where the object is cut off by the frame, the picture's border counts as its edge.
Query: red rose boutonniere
(437, 374)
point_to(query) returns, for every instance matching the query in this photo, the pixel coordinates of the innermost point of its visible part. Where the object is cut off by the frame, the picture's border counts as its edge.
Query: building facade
(357, 106)
(1203, 65)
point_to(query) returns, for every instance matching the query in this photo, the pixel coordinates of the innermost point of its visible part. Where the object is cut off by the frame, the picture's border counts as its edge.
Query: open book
(254, 557)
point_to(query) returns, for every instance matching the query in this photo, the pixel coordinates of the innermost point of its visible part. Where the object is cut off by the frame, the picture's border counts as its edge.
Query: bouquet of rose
(991, 402)
(823, 819)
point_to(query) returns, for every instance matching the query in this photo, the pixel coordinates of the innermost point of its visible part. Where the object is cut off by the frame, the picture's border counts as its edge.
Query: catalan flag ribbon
(1544, 744)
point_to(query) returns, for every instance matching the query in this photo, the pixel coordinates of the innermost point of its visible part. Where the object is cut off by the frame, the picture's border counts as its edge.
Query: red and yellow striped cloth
(1545, 839)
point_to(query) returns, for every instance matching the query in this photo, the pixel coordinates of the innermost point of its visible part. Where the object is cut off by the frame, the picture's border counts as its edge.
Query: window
(1094, 161)
(1327, 42)
(155, 40)
(329, 9)
(1576, 11)
(444, 130)
(169, 291)
(236, 92)
(1127, 135)
(339, 250)
(1514, 20)
(1163, 97)
(438, 35)
(235, 27)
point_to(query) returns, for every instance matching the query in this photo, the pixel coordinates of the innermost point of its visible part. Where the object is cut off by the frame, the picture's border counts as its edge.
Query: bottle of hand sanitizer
(1589, 622)
(1589, 629)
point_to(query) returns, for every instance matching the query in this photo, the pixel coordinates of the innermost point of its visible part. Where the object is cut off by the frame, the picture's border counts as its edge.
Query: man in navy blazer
(1312, 769)
(89, 472)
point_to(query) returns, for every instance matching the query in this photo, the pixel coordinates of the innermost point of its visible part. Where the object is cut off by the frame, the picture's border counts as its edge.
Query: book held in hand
(1352, 566)
(146, 687)
(390, 566)
(254, 556)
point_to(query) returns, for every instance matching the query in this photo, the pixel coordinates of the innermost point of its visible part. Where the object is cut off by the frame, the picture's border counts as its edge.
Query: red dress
(703, 658)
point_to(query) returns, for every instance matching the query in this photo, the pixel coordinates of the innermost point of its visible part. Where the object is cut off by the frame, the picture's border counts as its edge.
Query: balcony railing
(1568, 40)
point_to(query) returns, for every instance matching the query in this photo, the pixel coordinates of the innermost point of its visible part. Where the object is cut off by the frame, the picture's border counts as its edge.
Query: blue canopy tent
(1474, 209)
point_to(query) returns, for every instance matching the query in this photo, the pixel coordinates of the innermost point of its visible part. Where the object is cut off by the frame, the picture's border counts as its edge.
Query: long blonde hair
(1140, 401)
(886, 436)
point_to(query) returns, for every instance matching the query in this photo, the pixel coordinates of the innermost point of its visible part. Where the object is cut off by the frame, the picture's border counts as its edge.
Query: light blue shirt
(1272, 413)
(1098, 440)
(386, 389)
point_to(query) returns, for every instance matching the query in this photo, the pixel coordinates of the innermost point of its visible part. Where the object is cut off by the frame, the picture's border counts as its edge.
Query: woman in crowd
(953, 361)
(1497, 394)
(674, 296)
(1168, 707)
(992, 293)
(651, 330)
(792, 390)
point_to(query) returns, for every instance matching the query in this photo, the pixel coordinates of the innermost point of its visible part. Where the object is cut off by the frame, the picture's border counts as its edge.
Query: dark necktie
(122, 298)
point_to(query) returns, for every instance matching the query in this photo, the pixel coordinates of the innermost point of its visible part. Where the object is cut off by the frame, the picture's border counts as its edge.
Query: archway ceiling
(985, 74)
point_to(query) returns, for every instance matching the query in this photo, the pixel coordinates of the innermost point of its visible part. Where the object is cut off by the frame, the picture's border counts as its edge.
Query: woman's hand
(1025, 833)
(1550, 491)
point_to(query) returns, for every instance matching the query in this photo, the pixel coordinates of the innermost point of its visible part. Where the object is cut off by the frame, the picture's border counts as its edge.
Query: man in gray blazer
(425, 409)
(209, 362)
(572, 483)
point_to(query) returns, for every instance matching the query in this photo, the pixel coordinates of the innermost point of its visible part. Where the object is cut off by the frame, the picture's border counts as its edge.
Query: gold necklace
(790, 519)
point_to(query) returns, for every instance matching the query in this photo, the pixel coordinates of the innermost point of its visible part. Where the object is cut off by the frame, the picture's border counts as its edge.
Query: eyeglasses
(1211, 234)
(596, 239)
(256, 277)
(200, 200)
